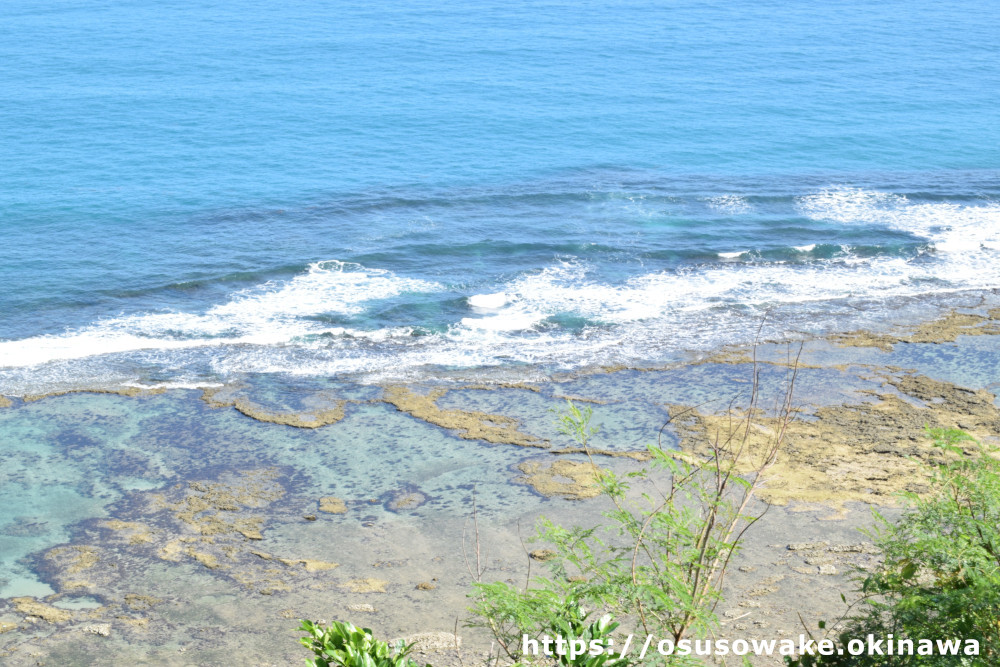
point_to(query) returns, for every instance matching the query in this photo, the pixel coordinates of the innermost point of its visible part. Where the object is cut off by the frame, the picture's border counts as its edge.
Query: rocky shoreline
(230, 542)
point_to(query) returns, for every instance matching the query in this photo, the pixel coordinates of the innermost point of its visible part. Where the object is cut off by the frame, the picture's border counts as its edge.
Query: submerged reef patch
(504, 385)
(405, 500)
(32, 607)
(221, 397)
(635, 455)
(942, 330)
(366, 585)
(309, 564)
(212, 524)
(212, 508)
(470, 424)
(581, 399)
(73, 559)
(332, 505)
(129, 392)
(137, 602)
(135, 533)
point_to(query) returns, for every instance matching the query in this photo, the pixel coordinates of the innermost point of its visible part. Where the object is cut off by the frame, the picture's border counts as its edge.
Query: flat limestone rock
(574, 480)
(332, 505)
(32, 607)
(366, 585)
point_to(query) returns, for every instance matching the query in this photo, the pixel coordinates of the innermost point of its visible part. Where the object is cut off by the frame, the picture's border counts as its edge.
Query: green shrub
(343, 644)
(662, 569)
(940, 575)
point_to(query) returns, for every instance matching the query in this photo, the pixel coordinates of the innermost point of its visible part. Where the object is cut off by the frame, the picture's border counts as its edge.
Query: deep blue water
(191, 191)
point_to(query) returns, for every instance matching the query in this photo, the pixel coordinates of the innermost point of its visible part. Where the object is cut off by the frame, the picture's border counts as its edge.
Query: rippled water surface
(195, 192)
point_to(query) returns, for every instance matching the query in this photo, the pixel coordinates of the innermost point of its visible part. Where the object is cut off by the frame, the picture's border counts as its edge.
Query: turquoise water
(306, 200)
(70, 462)
(192, 191)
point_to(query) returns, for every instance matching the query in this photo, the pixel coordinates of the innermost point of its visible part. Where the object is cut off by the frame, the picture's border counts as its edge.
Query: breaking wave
(562, 315)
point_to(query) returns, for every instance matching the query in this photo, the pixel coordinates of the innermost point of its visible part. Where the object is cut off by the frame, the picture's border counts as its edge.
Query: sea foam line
(268, 328)
(269, 314)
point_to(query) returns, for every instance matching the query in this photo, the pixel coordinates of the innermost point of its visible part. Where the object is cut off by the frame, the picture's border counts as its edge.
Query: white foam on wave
(949, 227)
(502, 322)
(174, 384)
(964, 240)
(566, 289)
(675, 308)
(665, 299)
(732, 255)
(274, 313)
(657, 311)
(271, 328)
(488, 301)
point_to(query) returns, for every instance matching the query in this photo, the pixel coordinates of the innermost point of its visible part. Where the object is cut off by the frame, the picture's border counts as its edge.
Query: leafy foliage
(544, 614)
(573, 627)
(940, 576)
(662, 568)
(346, 645)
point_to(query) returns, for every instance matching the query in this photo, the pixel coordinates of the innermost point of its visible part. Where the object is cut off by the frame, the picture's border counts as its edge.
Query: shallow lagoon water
(75, 462)
(970, 361)
(76, 457)
(84, 456)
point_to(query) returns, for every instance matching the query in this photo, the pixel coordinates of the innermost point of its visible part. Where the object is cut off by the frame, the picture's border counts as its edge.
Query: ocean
(197, 192)
(369, 251)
